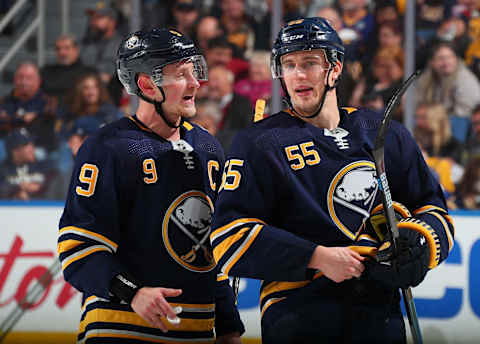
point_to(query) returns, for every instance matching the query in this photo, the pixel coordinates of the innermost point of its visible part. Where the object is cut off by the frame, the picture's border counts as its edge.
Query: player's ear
(337, 71)
(145, 84)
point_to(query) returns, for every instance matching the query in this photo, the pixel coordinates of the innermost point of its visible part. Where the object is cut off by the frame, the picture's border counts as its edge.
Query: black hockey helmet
(149, 51)
(304, 35)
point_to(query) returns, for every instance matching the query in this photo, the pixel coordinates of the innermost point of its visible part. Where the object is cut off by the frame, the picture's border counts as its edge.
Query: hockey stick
(379, 158)
(32, 296)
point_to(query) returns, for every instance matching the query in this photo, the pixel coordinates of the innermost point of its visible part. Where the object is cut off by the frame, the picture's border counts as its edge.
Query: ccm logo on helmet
(286, 38)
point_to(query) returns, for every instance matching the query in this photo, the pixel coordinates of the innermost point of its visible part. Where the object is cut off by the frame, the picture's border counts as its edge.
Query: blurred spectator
(208, 27)
(386, 75)
(386, 10)
(208, 115)
(448, 81)
(332, 15)
(258, 85)
(186, 13)
(99, 46)
(434, 134)
(89, 98)
(430, 14)
(452, 30)
(57, 78)
(390, 35)
(29, 106)
(238, 26)
(237, 112)
(22, 177)
(473, 142)
(220, 52)
(357, 18)
(467, 195)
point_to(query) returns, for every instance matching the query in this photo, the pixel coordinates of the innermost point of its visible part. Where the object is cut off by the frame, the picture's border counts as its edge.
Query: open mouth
(188, 98)
(302, 91)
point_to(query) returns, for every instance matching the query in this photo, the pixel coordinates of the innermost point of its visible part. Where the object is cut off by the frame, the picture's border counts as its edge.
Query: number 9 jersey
(142, 205)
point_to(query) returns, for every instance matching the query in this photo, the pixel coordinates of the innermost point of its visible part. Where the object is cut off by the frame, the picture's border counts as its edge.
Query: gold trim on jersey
(82, 254)
(228, 227)
(67, 245)
(275, 287)
(241, 250)
(221, 248)
(187, 126)
(440, 218)
(88, 234)
(140, 125)
(270, 302)
(349, 109)
(259, 110)
(132, 318)
(427, 208)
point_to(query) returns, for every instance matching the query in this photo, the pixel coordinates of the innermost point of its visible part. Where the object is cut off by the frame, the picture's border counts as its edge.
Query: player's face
(305, 75)
(180, 86)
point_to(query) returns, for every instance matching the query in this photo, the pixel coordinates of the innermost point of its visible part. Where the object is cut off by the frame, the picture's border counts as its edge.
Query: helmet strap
(159, 109)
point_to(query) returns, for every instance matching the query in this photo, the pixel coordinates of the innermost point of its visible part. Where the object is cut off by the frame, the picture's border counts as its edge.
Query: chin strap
(288, 100)
(158, 108)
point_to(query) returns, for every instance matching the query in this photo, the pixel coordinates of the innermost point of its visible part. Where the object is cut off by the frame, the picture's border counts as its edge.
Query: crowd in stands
(51, 109)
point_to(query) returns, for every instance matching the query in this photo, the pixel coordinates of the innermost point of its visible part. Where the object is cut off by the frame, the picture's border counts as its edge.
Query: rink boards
(448, 301)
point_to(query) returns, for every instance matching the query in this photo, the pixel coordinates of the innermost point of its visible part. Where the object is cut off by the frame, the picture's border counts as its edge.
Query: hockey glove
(371, 239)
(408, 268)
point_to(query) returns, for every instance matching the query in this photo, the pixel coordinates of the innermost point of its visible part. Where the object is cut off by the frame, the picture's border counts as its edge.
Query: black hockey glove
(417, 249)
(408, 268)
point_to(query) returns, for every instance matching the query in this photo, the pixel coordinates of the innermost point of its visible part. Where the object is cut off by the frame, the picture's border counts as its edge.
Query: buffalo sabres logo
(132, 42)
(351, 196)
(186, 231)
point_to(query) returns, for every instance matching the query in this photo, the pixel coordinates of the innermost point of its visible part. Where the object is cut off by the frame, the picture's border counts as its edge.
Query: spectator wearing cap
(186, 13)
(22, 177)
(57, 77)
(28, 106)
(81, 128)
(99, 46)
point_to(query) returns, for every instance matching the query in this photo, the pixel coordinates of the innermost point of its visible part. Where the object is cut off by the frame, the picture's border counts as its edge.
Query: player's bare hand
(337, 263)
(151, 305)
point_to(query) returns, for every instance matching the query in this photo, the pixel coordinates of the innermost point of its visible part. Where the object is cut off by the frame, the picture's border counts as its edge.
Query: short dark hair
(219, 42)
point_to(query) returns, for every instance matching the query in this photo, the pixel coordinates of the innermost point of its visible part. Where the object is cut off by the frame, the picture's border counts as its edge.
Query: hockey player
(134, 233)
(299, 188)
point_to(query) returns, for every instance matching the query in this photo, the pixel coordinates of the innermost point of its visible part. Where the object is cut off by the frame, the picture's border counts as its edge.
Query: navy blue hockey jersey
(289, 186)
(140, 204)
